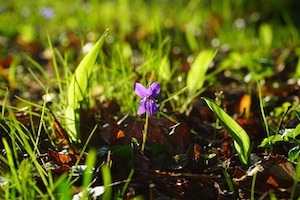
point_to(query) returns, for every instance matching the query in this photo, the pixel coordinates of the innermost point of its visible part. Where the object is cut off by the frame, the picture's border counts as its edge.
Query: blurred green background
(191, 24)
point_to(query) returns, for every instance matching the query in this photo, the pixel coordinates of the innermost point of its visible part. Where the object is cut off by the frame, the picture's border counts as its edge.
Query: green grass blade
(127, 183)
(228, 180)
(88, 172)
(12, 167)
(296, 180)
(261, 106)
(197, 73)
(78, 86)
(241, 138)
(106, 175)
(62, 186)
(253, 186)
(90, 163)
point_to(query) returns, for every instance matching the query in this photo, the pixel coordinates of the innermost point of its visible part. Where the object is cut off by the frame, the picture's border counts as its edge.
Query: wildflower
(47, 12)
(148, 95)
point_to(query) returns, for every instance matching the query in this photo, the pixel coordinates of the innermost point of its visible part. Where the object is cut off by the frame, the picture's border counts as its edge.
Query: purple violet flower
(148, 95)
(47, 12)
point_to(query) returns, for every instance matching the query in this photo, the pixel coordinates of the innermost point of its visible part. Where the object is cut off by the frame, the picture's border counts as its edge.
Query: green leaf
(80, 78)
(122, 151)
(266, 35)
(78, 86)
(241, 138)
(294, 154)
(289, 134)
(269, 141)
(164, 69)
(297, 109)
(72, 121)
(196, 75)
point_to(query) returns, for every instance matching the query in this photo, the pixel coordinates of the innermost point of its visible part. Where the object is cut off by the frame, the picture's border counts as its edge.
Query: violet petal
(142, 108)
(150, 105)
(140, 90)
(154, 89)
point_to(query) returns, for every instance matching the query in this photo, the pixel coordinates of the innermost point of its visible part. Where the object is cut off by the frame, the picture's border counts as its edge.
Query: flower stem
(145, 131)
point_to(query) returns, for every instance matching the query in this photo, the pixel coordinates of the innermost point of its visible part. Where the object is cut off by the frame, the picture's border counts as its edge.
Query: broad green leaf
(197, 72)
(241, 138)
(72, 121)
(78, 86)
(80, 78)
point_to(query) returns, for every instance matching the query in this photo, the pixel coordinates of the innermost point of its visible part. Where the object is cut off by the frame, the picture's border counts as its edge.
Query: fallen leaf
(61, 158)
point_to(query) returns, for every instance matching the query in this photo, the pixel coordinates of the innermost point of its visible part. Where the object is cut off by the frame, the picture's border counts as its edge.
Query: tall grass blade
(90, 163)
(253, 186)
(107, 181)
(12, 167)
(241, 138)
(261, 105)
(296, 180)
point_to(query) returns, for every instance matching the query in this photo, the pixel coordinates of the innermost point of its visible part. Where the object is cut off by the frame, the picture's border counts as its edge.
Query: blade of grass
(127, 183)
(228, 180)
(22, 138)
(63, 187)
(39, 128)
(88, 172)
(106, 175)
(253, 186)
(38, 66)
(296, 180)
(33, 74)
(12, 167)
(241, 138)
(57, 74)
(82, 151)
(4, 103)
(261, 106)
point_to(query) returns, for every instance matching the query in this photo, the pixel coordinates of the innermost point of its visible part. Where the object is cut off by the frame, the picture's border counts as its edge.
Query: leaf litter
(176, 162)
